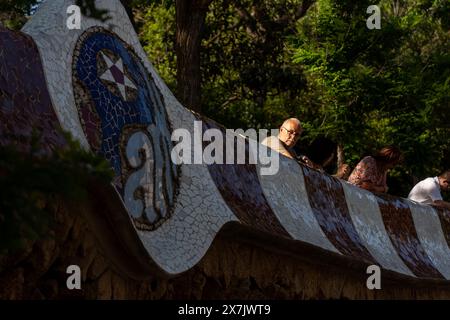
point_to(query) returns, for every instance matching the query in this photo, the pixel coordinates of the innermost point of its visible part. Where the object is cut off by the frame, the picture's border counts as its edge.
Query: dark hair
(321, 149)
(445, 174)
(389, 154)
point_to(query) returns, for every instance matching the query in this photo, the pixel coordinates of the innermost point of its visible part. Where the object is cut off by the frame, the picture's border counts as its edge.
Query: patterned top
(367, 171)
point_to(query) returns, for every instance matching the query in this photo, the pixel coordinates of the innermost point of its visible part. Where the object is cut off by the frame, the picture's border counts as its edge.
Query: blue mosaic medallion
(124, 119)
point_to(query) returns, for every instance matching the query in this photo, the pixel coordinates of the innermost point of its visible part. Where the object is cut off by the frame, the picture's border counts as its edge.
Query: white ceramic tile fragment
(366, 217)
(431, 236)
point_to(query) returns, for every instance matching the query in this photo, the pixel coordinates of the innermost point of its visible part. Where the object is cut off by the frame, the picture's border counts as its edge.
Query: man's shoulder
(427, 183)
(271, 141)
(275, 144)
(270, 138)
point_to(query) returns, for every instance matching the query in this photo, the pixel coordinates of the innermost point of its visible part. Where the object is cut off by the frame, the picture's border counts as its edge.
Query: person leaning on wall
(371, 172)
(428, 191)
(288, 135)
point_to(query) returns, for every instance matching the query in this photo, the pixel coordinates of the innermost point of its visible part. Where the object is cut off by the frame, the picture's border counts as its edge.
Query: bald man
(287, 137)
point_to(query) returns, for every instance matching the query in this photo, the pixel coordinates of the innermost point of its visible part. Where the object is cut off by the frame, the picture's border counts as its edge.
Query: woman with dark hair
(371, 172)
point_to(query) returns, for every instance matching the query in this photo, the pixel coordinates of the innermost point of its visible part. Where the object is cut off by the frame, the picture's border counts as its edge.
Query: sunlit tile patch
(329, 205)
(431, 236)
(366, 217)
(444, 218)
(240, 187)
(287, 195)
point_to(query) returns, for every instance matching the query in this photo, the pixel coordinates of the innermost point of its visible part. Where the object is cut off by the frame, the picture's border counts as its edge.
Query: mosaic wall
(106, 93)
(108, 96)
(25, 107)
(122, 112)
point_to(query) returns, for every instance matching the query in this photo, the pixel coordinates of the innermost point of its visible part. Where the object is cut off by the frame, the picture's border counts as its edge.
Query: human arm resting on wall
(436, 197)
(369, 185)
(442, 204)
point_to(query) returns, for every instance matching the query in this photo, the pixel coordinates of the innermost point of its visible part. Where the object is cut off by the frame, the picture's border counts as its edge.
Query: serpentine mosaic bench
(98, 84)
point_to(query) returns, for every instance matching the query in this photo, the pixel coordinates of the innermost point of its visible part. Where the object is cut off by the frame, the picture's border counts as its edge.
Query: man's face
(290, 132)
(444, 183)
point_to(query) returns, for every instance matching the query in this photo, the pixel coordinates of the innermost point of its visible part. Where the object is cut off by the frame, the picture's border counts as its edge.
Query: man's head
(444, 180)
(290, 131)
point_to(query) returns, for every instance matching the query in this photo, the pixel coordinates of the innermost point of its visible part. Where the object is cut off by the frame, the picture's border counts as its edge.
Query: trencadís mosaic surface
(100, 87)
(123, 116)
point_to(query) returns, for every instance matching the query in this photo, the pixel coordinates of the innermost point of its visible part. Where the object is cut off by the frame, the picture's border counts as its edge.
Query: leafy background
(263, 61)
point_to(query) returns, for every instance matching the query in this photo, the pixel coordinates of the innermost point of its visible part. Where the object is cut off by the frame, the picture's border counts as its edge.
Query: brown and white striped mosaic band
(100, 87)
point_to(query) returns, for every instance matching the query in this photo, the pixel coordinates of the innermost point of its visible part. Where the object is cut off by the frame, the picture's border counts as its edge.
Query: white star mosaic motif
(115, 74)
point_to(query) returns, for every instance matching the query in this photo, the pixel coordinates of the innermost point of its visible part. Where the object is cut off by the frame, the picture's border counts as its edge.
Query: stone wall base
(233, 268)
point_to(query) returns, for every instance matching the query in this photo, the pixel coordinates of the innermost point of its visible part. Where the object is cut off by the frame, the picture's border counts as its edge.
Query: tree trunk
(190, 18)
(340, 155)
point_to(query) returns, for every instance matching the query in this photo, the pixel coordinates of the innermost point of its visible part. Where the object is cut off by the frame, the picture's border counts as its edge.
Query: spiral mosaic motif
(124, 119)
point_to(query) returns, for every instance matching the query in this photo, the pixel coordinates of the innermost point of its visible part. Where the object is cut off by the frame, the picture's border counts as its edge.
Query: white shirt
(426, 191)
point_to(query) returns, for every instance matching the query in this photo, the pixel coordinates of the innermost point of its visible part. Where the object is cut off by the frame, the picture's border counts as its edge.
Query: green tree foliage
(157, 36)
(376, 87)
(14, 13)
(264, 61)
(248, 78)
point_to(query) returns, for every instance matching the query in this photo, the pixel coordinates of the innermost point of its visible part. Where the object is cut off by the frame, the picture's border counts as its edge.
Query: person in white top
(428, 191)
